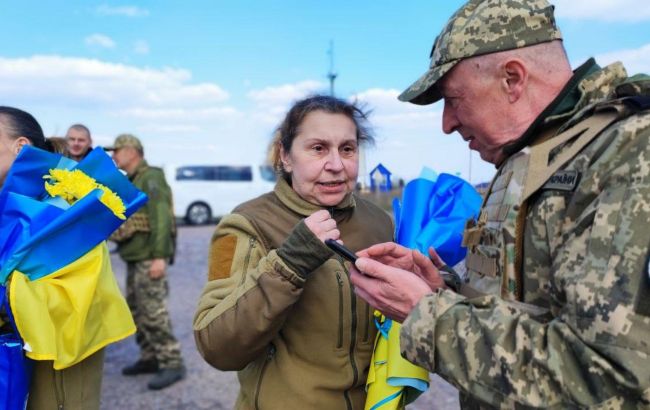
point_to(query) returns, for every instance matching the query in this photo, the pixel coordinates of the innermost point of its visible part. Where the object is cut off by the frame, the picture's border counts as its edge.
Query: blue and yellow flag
(55, 215)
(40, 234)
(70, 314)
(393, 382)
(432, 213)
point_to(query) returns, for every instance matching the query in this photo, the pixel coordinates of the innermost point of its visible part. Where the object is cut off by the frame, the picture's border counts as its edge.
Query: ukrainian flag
(54, 259)
(393, 382)
(432, 213)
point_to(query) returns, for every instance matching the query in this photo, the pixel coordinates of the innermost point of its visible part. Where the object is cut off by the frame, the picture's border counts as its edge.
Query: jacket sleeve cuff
(418, 335)
(302, 251)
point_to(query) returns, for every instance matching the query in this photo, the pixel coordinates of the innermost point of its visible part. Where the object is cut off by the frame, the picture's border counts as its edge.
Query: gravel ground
(204, 387)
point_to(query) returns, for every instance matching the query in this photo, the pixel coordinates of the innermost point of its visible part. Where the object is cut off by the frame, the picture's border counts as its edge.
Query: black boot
(141, 367)
(166, 377)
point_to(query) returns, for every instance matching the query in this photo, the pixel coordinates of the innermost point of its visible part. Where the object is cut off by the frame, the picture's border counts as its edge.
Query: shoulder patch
(562, 181)
(221, 257)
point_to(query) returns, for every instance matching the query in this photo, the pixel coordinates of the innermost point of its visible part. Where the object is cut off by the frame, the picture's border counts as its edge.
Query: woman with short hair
(278, 305)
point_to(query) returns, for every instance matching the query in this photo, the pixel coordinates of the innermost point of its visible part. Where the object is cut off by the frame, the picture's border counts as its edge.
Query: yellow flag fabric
(72, 313)
(393, 382)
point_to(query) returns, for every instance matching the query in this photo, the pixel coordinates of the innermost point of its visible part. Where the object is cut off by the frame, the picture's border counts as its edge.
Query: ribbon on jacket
(53, 257)
(432, 213)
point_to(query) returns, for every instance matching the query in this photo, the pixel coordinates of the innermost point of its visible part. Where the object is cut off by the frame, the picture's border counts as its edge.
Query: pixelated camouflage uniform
(569, 325)
(152, 238)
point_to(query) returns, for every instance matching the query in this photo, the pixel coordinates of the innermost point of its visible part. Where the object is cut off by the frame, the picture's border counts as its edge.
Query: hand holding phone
(341, 250)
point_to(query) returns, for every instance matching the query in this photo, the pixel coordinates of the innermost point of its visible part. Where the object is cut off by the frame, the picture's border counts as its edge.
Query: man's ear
(19, 143)
(514, 79)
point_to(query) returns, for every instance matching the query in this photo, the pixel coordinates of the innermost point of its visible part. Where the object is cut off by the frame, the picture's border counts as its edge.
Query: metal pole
(331, 75)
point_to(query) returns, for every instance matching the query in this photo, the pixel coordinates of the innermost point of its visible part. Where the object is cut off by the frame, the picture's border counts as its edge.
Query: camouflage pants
(147, 299)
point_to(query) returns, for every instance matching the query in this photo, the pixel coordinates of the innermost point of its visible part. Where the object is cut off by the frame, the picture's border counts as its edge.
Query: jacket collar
(293, 201)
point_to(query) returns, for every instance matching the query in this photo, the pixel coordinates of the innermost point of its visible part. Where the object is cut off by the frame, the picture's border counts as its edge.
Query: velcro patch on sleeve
(221, 257)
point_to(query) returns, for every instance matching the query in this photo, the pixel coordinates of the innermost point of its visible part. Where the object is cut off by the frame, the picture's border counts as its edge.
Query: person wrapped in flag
(55, 215)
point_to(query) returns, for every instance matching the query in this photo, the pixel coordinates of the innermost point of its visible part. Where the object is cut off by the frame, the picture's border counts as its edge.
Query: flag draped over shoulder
(433, 213)
(53, 257)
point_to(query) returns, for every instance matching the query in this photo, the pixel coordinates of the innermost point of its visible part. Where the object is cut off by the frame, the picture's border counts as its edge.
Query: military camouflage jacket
(585, 261)
(157, 240)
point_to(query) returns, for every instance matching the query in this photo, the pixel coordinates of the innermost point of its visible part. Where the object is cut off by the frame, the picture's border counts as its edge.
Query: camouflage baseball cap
(125, 140)
(483, 27)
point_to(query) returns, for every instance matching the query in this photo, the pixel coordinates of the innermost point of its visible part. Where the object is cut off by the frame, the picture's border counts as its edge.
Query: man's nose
(449, 119)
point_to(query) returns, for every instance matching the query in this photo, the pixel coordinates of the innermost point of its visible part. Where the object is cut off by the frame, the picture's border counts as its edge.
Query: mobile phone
(341, 250)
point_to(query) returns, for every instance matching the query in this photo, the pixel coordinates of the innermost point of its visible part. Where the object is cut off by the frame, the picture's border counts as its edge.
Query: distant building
(380, 179)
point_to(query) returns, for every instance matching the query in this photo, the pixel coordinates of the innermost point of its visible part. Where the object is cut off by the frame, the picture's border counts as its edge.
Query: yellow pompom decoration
(74, 185)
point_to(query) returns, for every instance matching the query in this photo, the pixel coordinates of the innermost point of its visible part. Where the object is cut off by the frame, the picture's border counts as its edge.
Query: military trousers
(147, 299)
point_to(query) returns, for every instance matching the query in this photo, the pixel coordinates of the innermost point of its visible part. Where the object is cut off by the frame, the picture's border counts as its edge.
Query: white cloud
(141, 47)
(409, 137)
(634, 60)
(273, 102)
(603, 10)
(126, 11)
(286, 93)
(162, 106)
(86, 82)
(99, 40)
(180, 121)
(175, 114)
(388, 111)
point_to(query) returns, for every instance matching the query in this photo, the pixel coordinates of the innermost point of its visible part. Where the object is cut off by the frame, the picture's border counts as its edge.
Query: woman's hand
(322, 225)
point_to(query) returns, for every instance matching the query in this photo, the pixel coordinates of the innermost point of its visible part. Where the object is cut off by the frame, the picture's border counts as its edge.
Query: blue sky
(207, 81)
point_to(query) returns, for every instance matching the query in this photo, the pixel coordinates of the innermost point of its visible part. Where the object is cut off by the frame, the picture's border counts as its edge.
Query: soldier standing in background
(146, 242)
(79, 142)
(555, 309)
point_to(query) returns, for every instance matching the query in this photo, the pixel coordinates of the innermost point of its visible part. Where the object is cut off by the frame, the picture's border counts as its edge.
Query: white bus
(204, 192)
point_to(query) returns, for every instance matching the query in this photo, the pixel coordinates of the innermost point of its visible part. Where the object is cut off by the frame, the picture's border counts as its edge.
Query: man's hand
(393, 291)
(322, 225)
(398, 256)
(157, 269)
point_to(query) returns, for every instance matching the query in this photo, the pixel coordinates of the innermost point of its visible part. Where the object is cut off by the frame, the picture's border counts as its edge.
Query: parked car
(204, 192)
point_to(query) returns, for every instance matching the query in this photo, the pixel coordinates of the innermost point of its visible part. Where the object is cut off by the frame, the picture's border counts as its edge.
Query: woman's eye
(349, 149)
(318, 148)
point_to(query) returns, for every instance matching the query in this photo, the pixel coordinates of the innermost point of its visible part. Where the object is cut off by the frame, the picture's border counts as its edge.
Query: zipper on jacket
(339, 343)
(251, 244)
(353, 336)
(269, 356)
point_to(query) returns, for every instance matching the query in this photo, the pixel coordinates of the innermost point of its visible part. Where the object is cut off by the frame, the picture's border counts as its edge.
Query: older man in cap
(146, 242)
(555, 308)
